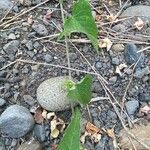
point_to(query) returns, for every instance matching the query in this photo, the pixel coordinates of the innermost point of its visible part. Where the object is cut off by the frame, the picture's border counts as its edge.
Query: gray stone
(5, 5)
(144, 97)
(39, 132)
(11, 47)
(48, 58)
(118, 47)
(139, 73)
(119, 28)
(52, 95)
(97, 87)
(16, 121)
(30, 145)
(40, 29)
(141, 11)
(115, 61)
(29, 100)
(113, 79)
(30, 53)
(11, 36)
(29, 45)
(2, 59)
(73, 57)
(2, 102)
(2, 145)
(98, 65)
(25, 2)
(37, 45)
(129, 71)
(132, 106)
(145, 79)
(131, 55)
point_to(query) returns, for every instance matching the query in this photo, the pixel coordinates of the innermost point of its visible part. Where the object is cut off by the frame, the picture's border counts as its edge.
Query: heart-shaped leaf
(81, 91)
(71, 139)
(82, 21)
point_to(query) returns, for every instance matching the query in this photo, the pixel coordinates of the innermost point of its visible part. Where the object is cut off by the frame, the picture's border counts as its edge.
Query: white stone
(52, 96)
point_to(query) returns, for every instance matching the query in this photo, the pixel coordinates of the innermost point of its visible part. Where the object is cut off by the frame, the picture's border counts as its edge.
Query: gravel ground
(20, 80)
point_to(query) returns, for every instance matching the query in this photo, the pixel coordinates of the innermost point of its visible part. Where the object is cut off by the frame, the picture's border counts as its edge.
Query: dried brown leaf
(139, 24)
(111, 133)
(144, 110)
(30, 20)
(38, 115)
(90, 128)
(105, 43)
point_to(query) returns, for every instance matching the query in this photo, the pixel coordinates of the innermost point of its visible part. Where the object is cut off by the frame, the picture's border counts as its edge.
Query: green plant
(82, 21)
(80, 92)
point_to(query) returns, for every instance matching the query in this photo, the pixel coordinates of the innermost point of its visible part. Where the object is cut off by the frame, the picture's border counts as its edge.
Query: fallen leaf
(111, 17)
(120, 67)
(48, 15)
(82, 138)
(50, 115)
(38, 115)
(96, 137)
(111, 133)
(90, 128)
(55, 133)
(144, 110)
(141, 132)
(98, 18)
(139, 24)
(91, 131)
(30, 20)
(53, 146)
(44, 114)
(105, 43)
(57, 126)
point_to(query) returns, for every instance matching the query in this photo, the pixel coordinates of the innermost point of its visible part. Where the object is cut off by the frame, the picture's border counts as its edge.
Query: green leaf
(82, 21)
(71, 139)
(81, 91)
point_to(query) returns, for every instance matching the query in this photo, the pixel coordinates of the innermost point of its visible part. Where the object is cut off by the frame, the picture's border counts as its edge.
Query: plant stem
(67, 48)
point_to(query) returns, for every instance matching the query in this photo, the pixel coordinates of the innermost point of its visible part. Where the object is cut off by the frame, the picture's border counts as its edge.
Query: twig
(67, 48)
(98, 99)
(8, 65)
(120, 11)
(144, 49)
(46, 37)
(6, 14)
(92, 67)
(126, 90)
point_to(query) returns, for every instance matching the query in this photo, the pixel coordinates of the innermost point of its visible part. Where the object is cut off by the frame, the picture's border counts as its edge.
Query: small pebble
(2, 102)
(98, 65)
(39, 132)
(11, 47)
(30, 145)
(119, 28)
(115, 61)
(2, 59)
(48, 58)
(118, 47)
(16, 121)
(131, 55)
(40, 29)
(139, 73)
(113, 79)
(132, 106)
(29, 45)
(12, 36)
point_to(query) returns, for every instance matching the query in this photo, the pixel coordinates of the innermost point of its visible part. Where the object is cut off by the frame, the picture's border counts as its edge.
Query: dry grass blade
(23, 13)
